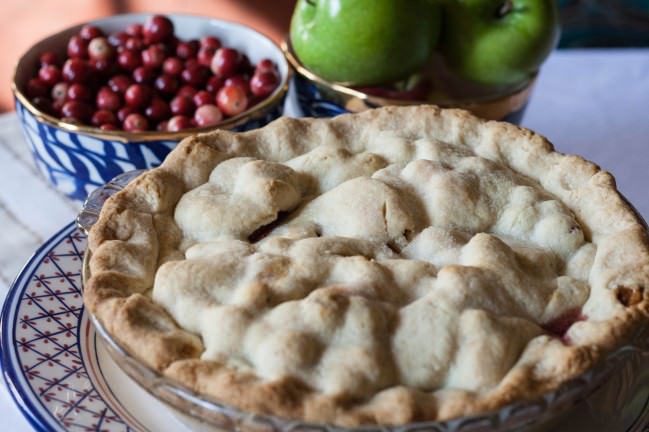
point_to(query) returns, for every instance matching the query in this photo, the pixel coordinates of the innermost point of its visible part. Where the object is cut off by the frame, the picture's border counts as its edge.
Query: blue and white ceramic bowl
(77, 159)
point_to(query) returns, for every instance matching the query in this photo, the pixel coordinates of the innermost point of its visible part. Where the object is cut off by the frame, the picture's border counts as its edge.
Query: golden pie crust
(398, 265)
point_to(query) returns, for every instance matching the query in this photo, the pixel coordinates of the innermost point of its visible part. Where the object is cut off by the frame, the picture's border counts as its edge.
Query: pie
(398, 265)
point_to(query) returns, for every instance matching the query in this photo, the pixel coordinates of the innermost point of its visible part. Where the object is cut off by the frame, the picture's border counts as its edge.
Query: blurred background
(586, 23)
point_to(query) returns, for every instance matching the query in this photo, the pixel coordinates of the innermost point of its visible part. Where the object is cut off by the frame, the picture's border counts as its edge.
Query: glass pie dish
(612, 396)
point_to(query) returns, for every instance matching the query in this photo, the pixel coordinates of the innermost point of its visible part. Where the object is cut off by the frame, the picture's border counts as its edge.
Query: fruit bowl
(318, 97)
(76, 159)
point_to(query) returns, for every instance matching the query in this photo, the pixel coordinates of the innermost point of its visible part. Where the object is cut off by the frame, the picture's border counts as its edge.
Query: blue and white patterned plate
(62, 377)
(56, 368)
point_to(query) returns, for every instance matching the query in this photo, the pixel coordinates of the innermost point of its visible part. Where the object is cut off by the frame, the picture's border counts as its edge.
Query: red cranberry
(103, 117)
(77, 110)
(190, 63)
(138, 95)
(182, 105)
(207, 115)
(225, 62)
(187, 50)
(50, 74)
(45, 105)
(178, 123)
(135, 123)
(196, 75)
(144, 74)
(108, 99)
(153, 56)
(105, 68)
(76, 70)
(118, 39)
(108, 127)
(173, 66)
(123, 112)
(77, 47)
(79, 92)
(187, 91)
(89, 32)
(57, 105)
(36, 88)
(119, 83)
(231, 100)
(157, 28)
(129, 59)
(158, 110)
(100, 49)
(162, 126)
(49, 58)
(166, 84)
(134, 43)
(214, 83)
(205, 55)
(60, 91)
(203, 97)
(237, 81)
(210, 42)
(263, 83)
(265, 65)
(134, 30)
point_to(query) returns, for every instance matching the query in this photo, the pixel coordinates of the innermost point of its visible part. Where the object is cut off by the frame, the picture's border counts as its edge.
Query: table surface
(594, 103)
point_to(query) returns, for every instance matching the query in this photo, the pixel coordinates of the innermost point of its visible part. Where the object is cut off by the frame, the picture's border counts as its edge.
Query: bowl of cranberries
(117, 94)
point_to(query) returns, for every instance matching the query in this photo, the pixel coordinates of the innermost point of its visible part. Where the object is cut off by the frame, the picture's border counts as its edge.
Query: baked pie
(403, 264)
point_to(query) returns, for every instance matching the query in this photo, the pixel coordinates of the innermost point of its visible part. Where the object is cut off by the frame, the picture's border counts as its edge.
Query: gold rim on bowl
(126, 137)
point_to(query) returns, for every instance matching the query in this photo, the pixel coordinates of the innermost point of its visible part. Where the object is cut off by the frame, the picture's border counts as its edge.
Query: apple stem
(506, 8)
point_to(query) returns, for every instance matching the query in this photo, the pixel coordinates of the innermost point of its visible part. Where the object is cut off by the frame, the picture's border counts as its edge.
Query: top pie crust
(398, 265)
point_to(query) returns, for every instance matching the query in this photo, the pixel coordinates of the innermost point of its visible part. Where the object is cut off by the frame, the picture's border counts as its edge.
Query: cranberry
(187, 50)
(196, 75)
(123, 112)
(153, 56)
(76, 70)
(187, 91)
(138, 95)
(237, 81)
(49, 58)
(231, 100)
(129, 59)
(158, 110)
(205, 55)
(144, 74)
(263, 83)
(108, 127)
(36, 88)
(77, 47)
(105, 68)
(210, 42)
(108, 99)
(162, 126)
(77, 110)
(119, 83)
(266, 65)
(207, 115)
(100, 49)
(89, 32)
(134, 43)
(203, 97)
(79, 92)
(178, 123)
(50, 74)
(182, 105)
(44, 104)
(134, 30)
(172, 66)
(214, 83)
(58, 104)
(166, 84)
(225, 62)
(135, 122)
(118, 39)
(103, 117)
(157, 28)
(60, 91)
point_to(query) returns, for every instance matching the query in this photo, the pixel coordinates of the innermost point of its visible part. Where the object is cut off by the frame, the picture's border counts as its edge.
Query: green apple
(364, 42)
(498, 42)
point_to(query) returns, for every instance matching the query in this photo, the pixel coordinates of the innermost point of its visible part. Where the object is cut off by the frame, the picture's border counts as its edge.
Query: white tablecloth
(589, 102)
